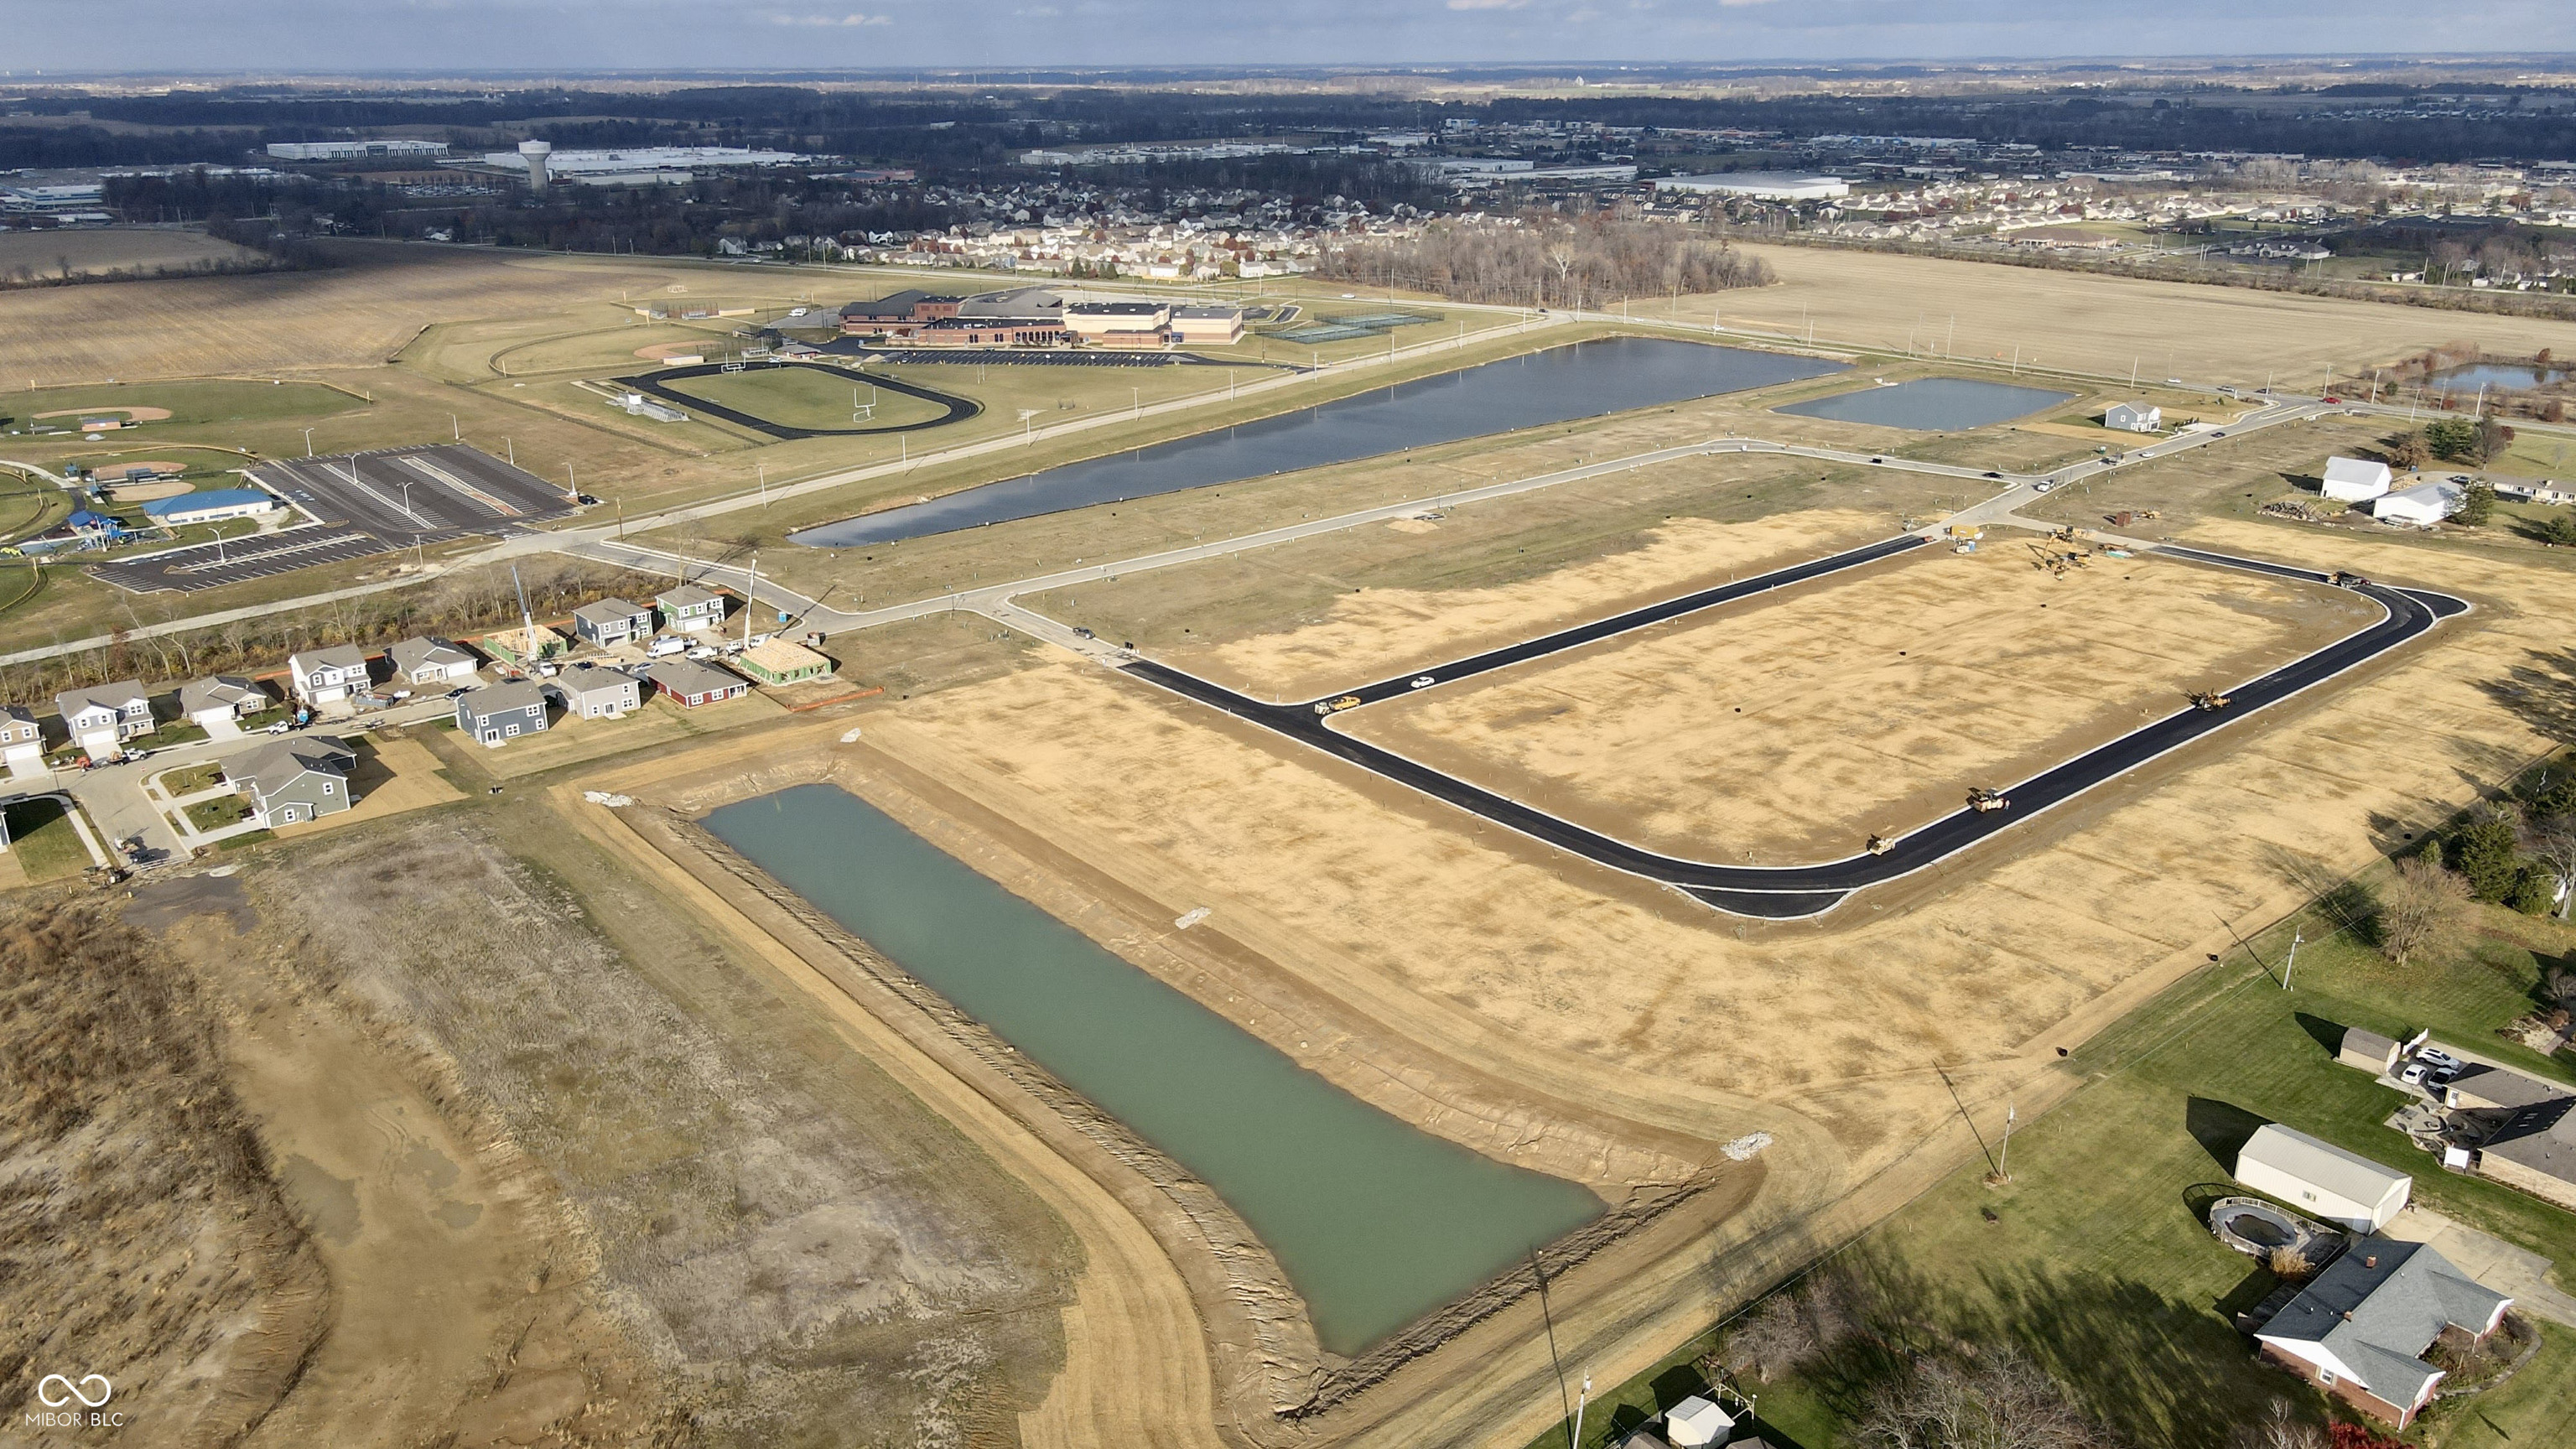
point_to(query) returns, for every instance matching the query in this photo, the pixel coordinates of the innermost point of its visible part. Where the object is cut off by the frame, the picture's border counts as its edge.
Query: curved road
(1794, 891)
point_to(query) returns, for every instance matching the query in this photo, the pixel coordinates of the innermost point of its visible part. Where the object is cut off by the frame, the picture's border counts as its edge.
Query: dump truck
(1982, 800)
(1336, 706)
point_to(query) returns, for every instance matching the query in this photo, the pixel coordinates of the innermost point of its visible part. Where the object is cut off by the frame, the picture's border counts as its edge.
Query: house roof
(272, 767)
(2355, 470)
(609, 611)
(17, 714)
(2505, 1087)
(495, 698)
(784, 656)
(2368, 1042)
(117, 696)
(330, 656)
(411, 654)
(2437, 497)
(683, 596)
(591, 679)
(2378, 1306)
(2541, 1137)
(217, 692)
(211, 498)
(2321, 1164)
(688, 676)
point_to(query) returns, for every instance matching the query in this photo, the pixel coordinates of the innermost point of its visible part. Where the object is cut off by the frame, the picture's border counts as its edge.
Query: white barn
(2322, 1179)
(2355, 480)
(2425, 505)
(2136, 417)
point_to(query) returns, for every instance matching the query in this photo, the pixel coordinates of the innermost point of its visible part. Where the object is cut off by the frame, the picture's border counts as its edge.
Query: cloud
(831, 20)
(1487, 4)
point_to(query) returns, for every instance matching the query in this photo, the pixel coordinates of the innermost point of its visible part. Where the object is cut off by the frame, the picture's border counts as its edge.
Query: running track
(1793, 891)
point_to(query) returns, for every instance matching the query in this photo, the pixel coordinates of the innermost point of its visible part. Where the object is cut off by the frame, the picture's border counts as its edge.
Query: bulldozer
(1982, 800)
(2210, 700)
(2346, 579)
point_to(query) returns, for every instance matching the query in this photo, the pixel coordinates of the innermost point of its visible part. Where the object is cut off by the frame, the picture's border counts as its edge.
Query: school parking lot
(444, 491)
(212, 565)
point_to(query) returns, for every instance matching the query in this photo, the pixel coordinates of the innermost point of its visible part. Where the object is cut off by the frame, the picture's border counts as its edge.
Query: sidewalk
(2493, 1262)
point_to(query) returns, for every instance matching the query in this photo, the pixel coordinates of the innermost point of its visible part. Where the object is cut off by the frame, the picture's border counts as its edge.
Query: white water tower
(535, 154)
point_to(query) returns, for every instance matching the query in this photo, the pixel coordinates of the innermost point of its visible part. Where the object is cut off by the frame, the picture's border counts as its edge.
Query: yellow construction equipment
(1878, 844)
(1334, 706)
(1981, 799)
(2210, 699)
(1966, 530)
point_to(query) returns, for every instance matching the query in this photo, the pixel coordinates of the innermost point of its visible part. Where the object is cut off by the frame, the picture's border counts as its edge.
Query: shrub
(2535, 892)
(2486, 853)
(2454, 440)
(2477, 506)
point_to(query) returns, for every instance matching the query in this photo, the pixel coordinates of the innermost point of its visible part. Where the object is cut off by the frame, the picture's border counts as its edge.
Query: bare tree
(2555, 849)
(1773, 1339)
(2418, 907)
(2007, 1402)
(2279, 1428)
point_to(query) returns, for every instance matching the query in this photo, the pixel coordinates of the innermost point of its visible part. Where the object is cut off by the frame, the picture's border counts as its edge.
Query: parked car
(705, 651)
(2414, 1073)
(2042, 486)
(2435, 1056)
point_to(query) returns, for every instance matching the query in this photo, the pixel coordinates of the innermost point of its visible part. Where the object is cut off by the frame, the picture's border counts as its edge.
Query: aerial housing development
(845, 746)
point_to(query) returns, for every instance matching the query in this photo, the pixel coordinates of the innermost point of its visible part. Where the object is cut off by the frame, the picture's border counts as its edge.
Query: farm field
(1792, 729)
(96, 251)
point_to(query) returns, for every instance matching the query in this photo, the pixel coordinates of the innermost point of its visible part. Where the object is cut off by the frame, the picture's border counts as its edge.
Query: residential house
(693, 683)
(22, 740)
(217, 703)
(587, 691)
(2533, 491)
(329, 675)
(100, 718)
(2134, 417)
(2535, 1150)
(426, 661)
(612, 622)
(2480, 1087)
(2423, 506)
(780, 661)
(2359, 1330)
(296, 779)
(499, 712)
(686, 608)
(2322, 1179)
(2355, 480)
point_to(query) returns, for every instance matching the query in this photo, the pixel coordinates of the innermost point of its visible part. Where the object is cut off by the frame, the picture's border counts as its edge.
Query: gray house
(218, 700)
(688, 608)
(2360, 1328)
(500, 712)
(432, 661)
(296, 779)
(587, 691)
(612, 622)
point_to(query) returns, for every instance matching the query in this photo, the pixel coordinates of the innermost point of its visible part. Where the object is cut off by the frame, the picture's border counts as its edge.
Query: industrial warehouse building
(1759, 185)
(213, 506)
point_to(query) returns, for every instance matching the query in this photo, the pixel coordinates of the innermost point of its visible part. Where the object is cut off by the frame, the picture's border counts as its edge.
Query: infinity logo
(46, 1392)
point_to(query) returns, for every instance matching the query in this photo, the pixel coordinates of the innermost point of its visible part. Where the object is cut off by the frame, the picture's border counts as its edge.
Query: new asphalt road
(1789, 892)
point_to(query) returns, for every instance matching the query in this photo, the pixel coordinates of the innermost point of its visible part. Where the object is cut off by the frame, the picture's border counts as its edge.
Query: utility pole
(764, 481)
(1580, 1404)
(2003, 1157)
(2293, 963)
(750, 598)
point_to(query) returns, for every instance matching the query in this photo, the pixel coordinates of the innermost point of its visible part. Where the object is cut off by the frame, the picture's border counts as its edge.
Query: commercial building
(1759, 185)
(212, 506)
(1208, 326)
(2360, 1328)
(1120, 324)
(2322, 1179)
(354, 150)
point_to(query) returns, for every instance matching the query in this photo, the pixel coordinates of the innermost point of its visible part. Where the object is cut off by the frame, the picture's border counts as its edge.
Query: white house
(327, 676)
(2134, 417)
(217, 703)
(2322, 1179)
(102, 717)
(426, 661)
(2423, 506)
(22, 740)
(2355, 480)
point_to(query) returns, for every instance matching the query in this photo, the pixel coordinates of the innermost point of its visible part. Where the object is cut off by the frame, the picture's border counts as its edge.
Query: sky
(274, 36)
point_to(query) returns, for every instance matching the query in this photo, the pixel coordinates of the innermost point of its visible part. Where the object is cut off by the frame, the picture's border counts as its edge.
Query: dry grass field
(1794, 728)
(82, 252)
(2096, 324)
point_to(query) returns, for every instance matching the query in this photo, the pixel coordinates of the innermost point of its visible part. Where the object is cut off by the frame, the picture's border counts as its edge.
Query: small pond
(2493, 375)
(1560, 384)
(1931, 404)
(1376, 1222)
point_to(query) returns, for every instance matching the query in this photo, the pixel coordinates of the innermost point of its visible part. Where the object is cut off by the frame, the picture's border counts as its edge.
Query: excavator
(2210, 700)
(1981, 799)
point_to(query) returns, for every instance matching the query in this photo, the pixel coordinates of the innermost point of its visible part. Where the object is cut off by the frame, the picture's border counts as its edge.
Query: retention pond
(1586, 379)
(1375, 1222)
(1930, 404)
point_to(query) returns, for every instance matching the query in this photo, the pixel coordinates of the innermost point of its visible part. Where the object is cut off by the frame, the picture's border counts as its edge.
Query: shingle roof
(116, 695)
(2541, 1137)
(591, 679)
(218, 691)
(2381, 1304)
(609, 611)
(683, 596)
(494, 698)
(688, 676)
(272, 767)
(333, 656)
(409, 655)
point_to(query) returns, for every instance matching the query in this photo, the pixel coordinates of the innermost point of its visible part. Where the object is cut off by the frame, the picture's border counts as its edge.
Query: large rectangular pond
(1583, 380)
(1375, 1222)
(1930, 404)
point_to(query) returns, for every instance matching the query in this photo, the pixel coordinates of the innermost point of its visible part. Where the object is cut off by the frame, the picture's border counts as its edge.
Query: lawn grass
(2095, 1259)
(189, 779)
(219, 812)
(43, 840)
(801, 397)
(214, 400)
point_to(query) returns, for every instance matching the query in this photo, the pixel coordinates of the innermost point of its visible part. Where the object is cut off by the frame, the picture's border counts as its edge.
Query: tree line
(1546, 259)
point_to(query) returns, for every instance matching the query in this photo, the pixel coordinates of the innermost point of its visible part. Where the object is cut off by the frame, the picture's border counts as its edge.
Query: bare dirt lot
(1792, 729)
